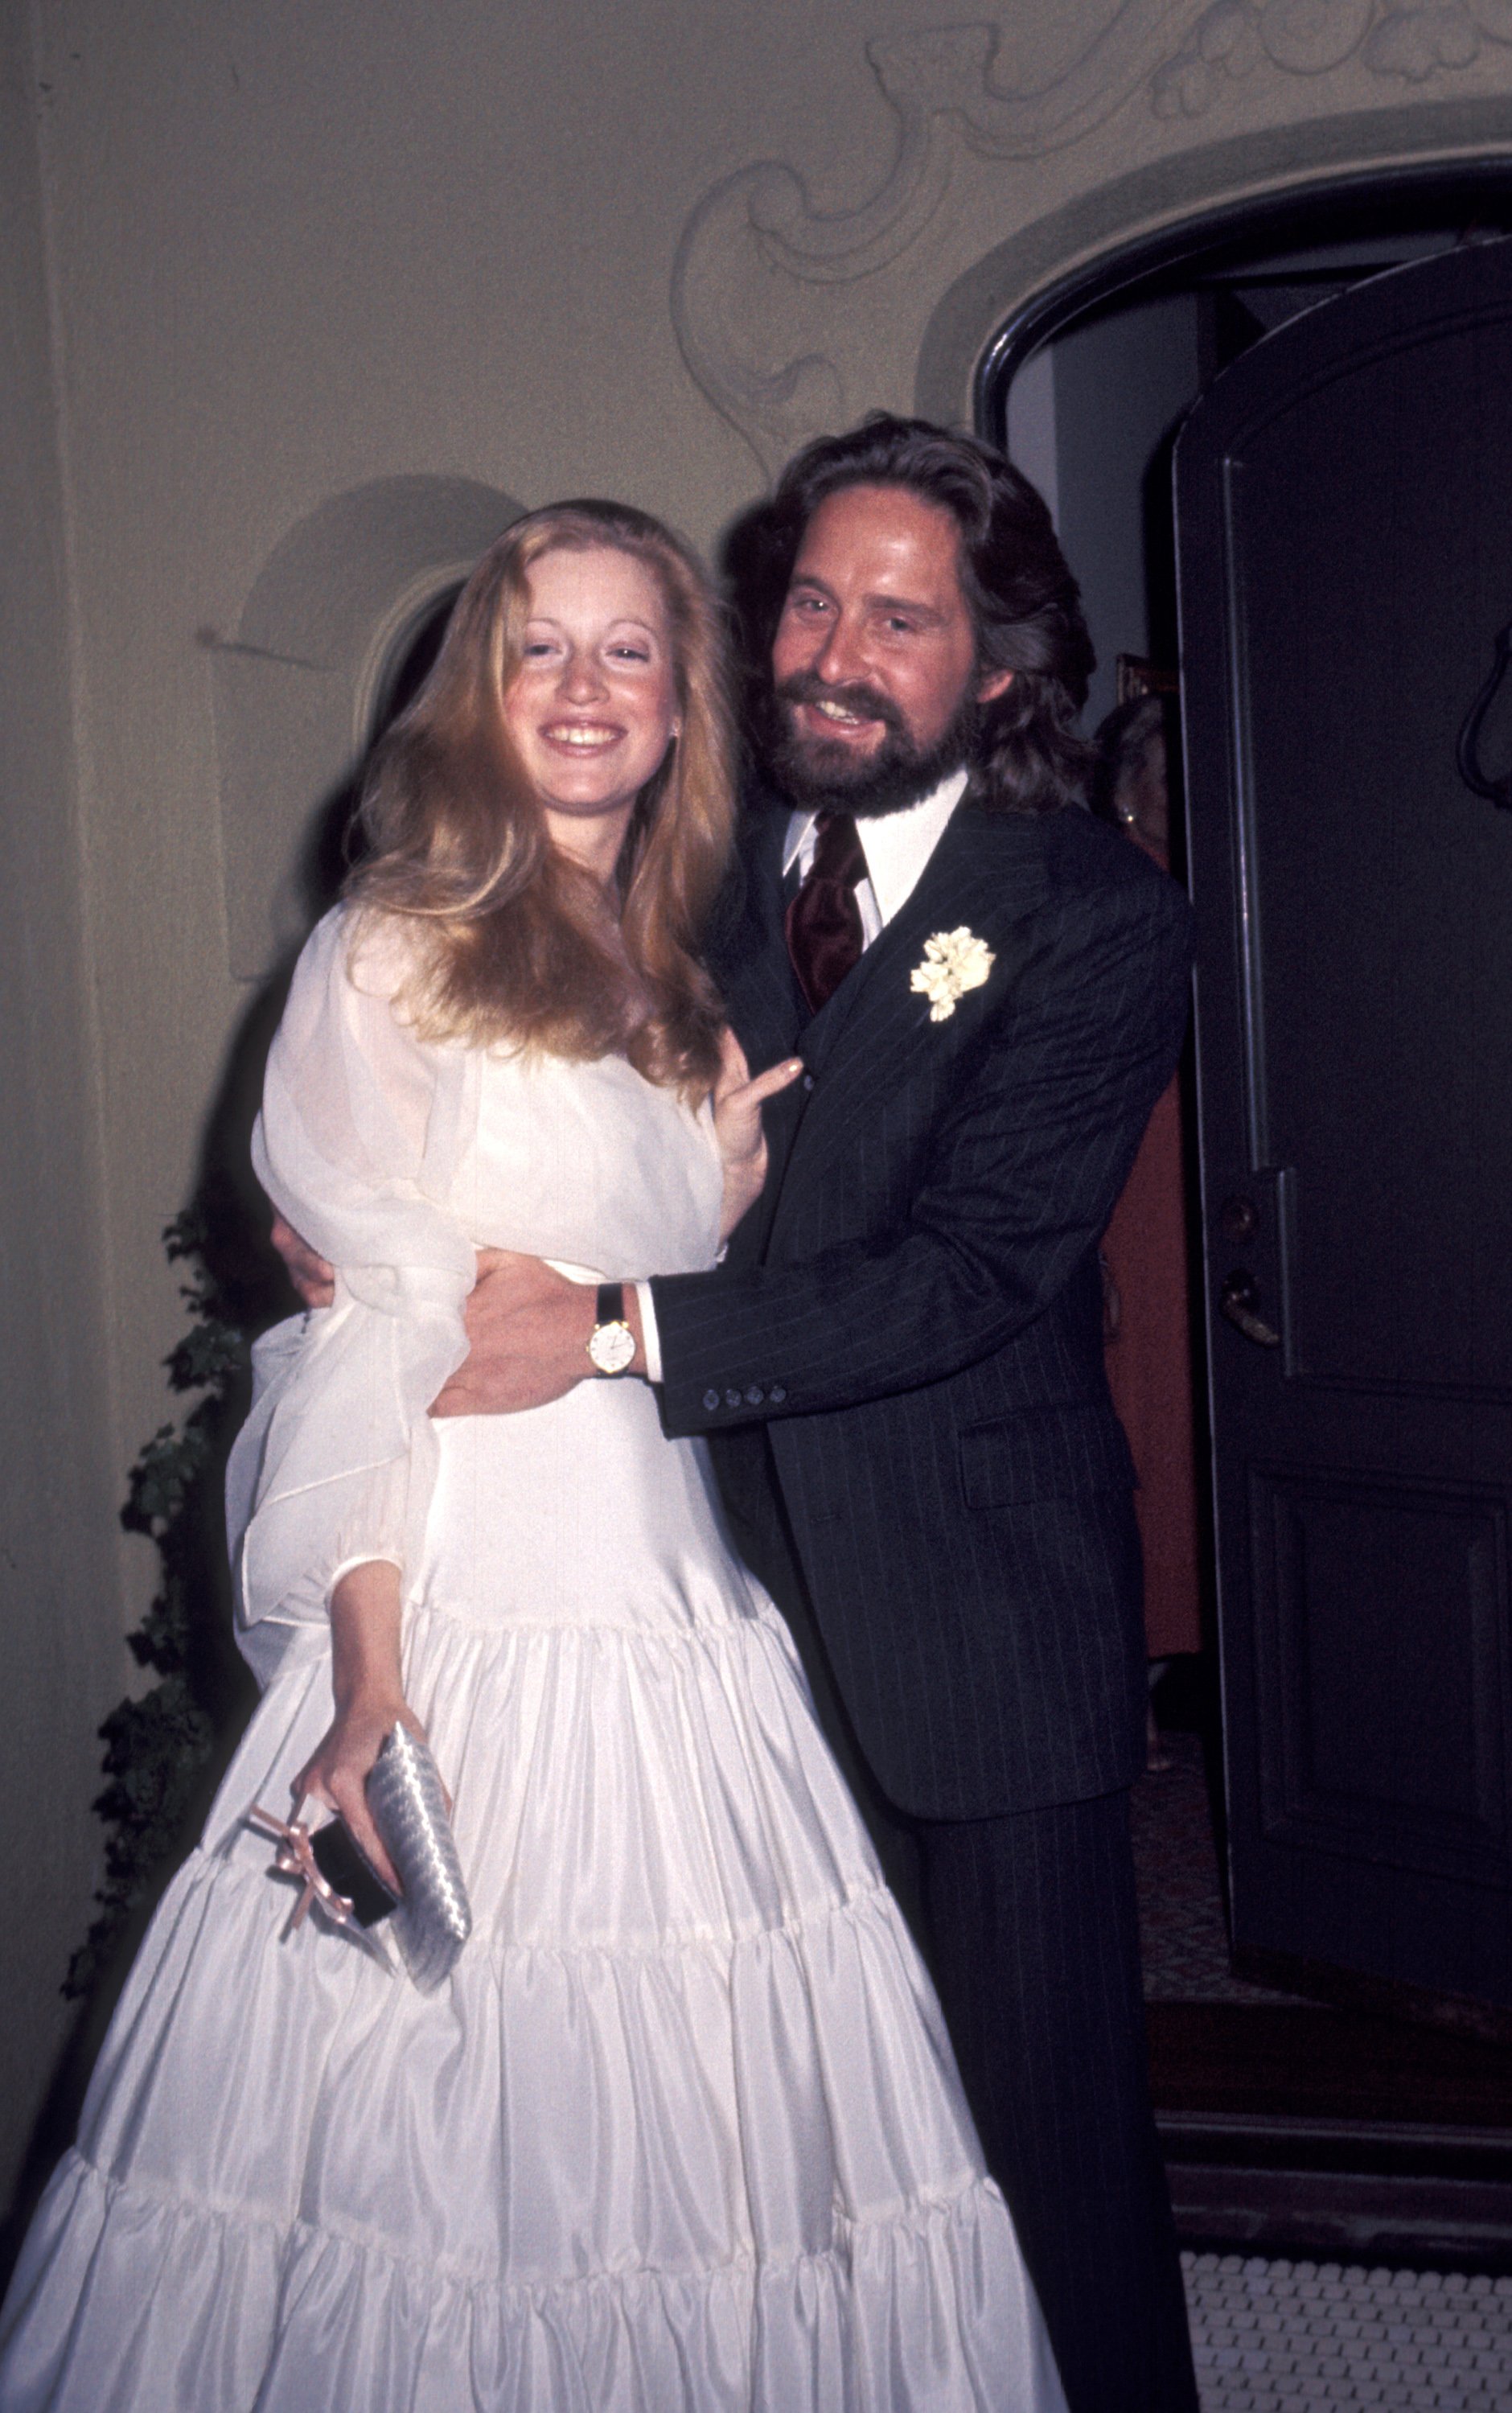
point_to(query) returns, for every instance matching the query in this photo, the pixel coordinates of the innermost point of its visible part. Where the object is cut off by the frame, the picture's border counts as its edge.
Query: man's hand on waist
(528, 1327)
(312, 1278)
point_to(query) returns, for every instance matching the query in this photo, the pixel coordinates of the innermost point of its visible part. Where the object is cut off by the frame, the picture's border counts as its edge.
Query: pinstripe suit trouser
(1035, 1949)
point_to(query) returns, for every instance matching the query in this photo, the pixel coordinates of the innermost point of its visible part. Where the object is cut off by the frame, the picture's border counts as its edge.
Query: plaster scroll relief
(756, 292)
(1305, 38)
(756, 232)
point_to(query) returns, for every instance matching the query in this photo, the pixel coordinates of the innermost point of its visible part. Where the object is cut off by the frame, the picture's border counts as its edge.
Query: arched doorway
(1086, 381)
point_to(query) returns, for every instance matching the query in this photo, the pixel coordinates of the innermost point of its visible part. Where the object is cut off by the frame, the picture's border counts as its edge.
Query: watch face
(612, 1347)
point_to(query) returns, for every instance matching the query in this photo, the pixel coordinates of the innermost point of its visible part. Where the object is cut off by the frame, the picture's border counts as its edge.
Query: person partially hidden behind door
(900, 1363)
(1144, 1256)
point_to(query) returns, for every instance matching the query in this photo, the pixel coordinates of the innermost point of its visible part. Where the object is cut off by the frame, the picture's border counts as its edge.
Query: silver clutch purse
(434, 1921)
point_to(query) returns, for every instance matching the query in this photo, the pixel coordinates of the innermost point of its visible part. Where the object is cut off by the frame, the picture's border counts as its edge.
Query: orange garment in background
(1149, 1339)
(1150, 1372)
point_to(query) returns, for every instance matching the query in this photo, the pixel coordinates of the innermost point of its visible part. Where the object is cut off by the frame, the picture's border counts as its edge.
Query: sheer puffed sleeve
(362, 1130)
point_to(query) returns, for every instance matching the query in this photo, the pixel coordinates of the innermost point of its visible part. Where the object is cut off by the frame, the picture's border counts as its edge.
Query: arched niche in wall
(296, 688)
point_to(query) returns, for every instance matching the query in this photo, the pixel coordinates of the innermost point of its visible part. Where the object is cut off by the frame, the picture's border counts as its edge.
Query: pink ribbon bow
(295, 1857)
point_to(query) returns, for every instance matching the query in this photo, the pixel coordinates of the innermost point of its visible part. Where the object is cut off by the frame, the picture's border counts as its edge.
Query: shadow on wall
(298, 688)
(337, 636)
(231, 1209)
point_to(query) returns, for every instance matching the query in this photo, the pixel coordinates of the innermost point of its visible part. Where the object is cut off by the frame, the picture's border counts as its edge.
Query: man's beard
(825, 775)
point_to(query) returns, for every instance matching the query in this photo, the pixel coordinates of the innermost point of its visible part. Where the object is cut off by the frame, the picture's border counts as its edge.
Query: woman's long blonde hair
(515, 948)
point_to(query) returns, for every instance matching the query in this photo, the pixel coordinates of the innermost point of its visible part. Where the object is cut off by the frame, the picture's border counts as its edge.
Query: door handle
(1480, 781)
(1238, 1299)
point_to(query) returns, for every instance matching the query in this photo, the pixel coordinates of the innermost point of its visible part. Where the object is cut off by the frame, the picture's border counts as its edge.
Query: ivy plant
(161, 1745)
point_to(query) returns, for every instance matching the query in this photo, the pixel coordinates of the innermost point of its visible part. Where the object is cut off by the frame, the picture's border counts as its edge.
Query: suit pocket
(1056, 1453)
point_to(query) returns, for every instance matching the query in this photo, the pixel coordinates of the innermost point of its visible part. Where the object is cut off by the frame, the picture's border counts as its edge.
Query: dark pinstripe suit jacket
(915, 1311)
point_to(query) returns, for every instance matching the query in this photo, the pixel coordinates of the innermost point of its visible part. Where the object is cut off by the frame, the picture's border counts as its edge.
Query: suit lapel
(987, 875)
(986, 869)
(748, 957)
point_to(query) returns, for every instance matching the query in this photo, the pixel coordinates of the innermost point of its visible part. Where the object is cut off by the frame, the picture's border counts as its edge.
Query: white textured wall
(303, 245)
(60, 1611)
(287, 249)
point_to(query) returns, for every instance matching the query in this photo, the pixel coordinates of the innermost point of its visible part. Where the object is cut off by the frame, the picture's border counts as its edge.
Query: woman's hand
(738, 1103)
(369, 1694)
(338, 1770)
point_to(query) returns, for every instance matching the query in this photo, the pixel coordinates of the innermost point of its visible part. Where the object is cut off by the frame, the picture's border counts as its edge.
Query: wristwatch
(611, 1343)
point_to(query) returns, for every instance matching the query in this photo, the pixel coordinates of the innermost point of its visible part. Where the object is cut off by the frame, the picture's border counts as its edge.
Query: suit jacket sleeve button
(809, 1080)
(777, 1395)
(733, 1400)
(754, 1395)
(711, 1400)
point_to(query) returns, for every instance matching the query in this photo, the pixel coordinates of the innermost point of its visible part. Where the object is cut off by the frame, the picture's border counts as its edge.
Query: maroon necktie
(823, 921)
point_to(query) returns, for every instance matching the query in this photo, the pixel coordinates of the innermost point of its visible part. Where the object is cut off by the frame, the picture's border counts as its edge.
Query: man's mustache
(867, 702)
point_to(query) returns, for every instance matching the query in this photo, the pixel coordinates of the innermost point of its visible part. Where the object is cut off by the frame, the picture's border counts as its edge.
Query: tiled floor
(1282, 2336)
(1289, 2337)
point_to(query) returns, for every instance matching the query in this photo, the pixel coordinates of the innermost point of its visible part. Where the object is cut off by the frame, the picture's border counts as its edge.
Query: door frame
(1309, 215)
(1315, 212)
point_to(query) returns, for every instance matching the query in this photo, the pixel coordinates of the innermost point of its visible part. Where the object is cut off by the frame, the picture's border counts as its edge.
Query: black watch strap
(610, 1305)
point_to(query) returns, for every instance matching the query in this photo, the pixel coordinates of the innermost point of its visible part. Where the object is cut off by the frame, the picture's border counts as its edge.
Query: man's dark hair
(1023, 600)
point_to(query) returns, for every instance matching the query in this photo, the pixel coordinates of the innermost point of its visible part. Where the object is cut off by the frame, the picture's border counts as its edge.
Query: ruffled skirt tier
(682, 2131)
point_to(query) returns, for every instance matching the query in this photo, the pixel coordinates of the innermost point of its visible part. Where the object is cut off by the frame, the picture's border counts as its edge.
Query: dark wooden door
(1345, 534)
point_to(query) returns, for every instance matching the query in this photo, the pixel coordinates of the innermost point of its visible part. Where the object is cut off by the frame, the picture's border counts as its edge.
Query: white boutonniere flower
(953, 961)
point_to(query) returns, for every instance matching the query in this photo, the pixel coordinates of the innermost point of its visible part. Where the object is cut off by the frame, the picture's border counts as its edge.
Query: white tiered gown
(683, 2129)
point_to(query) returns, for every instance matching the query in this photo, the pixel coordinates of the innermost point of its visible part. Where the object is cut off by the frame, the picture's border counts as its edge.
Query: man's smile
(830, 718)
(855, 716)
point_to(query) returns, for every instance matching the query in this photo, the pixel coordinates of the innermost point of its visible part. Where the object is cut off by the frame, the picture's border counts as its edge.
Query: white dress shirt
(897, 847)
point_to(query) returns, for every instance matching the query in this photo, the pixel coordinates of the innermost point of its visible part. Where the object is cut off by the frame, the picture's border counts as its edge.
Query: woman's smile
(581, 737)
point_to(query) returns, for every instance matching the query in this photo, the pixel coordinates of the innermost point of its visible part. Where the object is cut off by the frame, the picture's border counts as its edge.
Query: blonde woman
(682, 2128)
